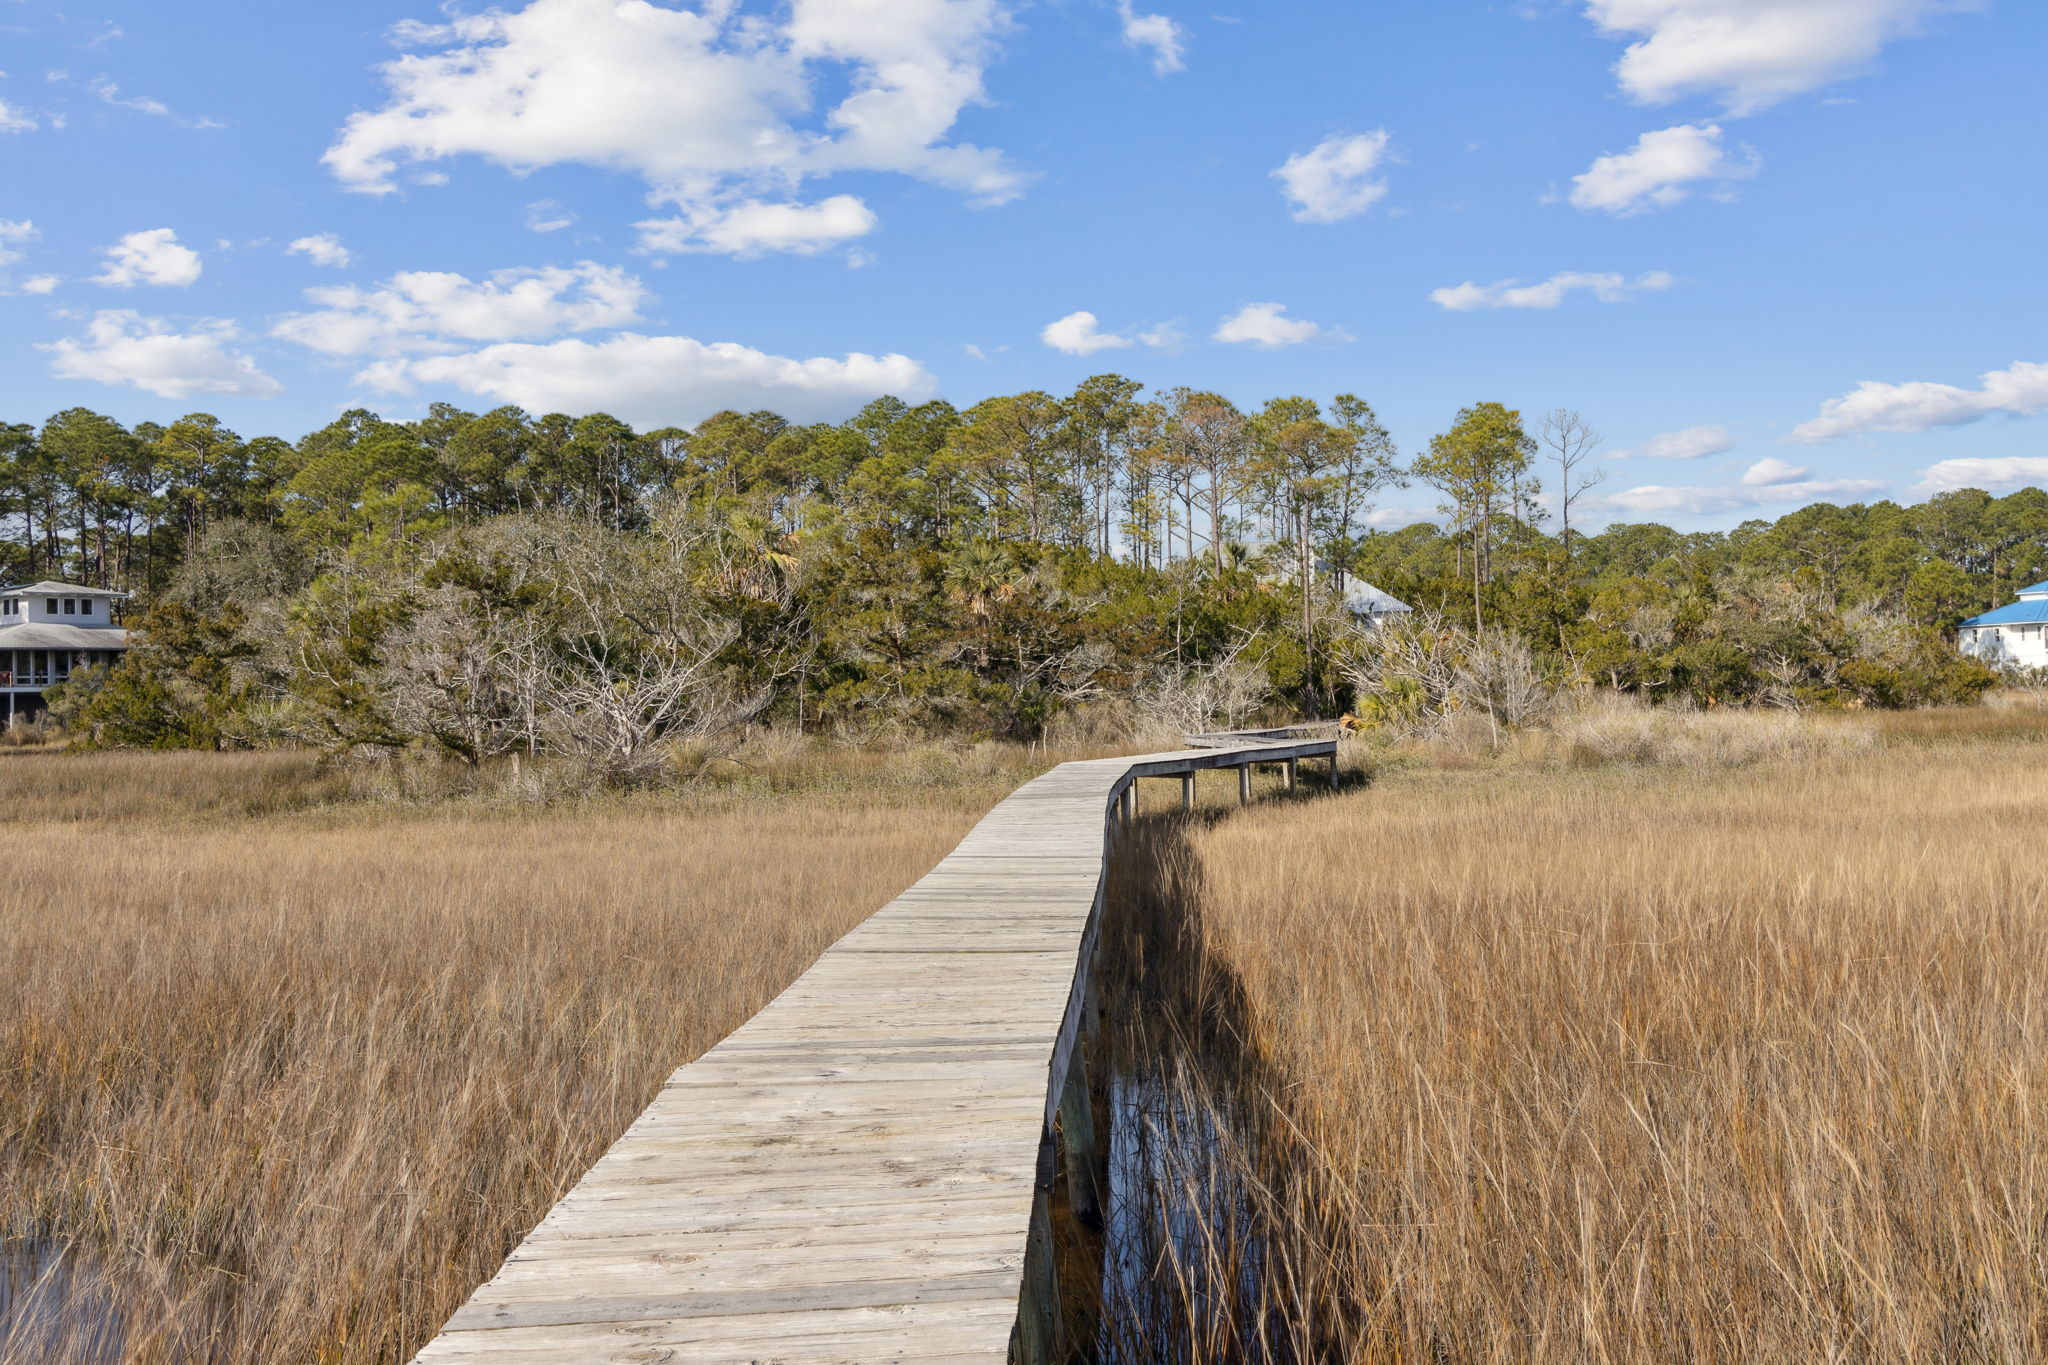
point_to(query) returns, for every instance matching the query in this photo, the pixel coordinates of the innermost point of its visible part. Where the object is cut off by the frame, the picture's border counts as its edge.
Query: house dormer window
(50, 606)
(85, 606)
(71, 606)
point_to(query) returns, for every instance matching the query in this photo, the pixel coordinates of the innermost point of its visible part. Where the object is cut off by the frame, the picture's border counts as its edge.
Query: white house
(1372, 606)
(2015, 635)
(47, 630)
(1368, 605)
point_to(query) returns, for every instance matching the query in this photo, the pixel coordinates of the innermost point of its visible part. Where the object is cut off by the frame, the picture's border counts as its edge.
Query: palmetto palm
(983, 575)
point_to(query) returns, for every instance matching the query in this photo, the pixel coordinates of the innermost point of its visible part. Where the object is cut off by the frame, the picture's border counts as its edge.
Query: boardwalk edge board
(869, 1169)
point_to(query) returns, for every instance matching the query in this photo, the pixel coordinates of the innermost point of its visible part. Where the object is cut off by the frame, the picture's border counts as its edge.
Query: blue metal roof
(2013, 614)
(2041, 587)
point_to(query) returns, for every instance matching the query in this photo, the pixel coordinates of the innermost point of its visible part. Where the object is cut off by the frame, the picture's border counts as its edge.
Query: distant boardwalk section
(856, 1173)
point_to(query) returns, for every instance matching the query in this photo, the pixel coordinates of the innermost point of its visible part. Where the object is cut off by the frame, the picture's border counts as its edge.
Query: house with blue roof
(2015, 635)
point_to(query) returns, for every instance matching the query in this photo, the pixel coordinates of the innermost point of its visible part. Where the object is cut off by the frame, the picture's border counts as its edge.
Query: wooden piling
(1034, 1339)
(1080, 1160)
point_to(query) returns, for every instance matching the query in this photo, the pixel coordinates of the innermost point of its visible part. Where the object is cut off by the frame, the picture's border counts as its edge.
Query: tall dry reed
(283, 1089)
(1637, 1066)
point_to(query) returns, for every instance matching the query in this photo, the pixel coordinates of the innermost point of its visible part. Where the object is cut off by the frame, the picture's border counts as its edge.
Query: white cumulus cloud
(1690, 443)
(752, 228)
(1165, 336)
(1266, 325)
(12, 234)
(1164, 38)
(2017, 391)
(151, 257)
(13, 120)
(1663, 500)
(123, 347)
(426, 310)
(1335, 179)
(322, 248)
(1605, 286)
(1770, 471)
(40, 284)
(545, 215)
(1992, 475)
(111, 93)
(1662, 169)
(1396, 517)
(1080, 334)
(662, 380)
(1752, 53)
(713, 108)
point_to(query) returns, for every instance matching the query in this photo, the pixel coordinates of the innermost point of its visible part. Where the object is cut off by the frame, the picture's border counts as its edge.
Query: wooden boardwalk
(850, 1177)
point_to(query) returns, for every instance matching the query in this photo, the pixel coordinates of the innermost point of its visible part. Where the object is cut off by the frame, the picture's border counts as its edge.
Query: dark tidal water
(55, 1305)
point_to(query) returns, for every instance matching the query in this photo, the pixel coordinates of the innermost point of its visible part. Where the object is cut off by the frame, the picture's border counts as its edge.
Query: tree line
(476, 582)
(1154, 481)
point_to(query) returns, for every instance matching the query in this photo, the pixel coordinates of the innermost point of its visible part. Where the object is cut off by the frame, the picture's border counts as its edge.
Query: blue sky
(1776, 250)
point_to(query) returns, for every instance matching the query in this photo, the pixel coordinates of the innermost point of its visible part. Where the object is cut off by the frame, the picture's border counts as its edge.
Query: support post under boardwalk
(1244, 784)
(1034, 1338)
(863, 1171)
(1078, 1155)
(1293, 774)
(1187, 791)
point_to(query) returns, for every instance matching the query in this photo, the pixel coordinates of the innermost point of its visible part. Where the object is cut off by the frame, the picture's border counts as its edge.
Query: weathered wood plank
(850, 1176)
(922, 1332)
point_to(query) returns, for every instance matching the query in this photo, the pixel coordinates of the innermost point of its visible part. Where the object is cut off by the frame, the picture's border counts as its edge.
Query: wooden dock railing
(865, 1170)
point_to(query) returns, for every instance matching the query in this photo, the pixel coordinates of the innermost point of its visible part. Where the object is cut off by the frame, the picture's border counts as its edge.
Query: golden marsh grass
(284, 1088)
(1643, 1065)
